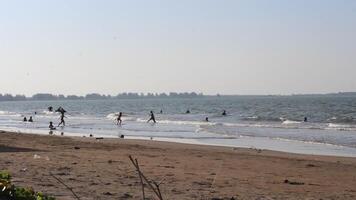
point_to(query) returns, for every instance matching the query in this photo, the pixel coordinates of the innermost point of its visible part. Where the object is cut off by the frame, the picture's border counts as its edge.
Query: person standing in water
(118, 119)
(152, 117)
(62, 111)
(30, 120)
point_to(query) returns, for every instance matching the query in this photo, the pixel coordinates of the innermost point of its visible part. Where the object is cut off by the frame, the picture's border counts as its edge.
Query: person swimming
(152, 117)
(51, 127)
(224, 113)
(305, 119)
(118, 119)
(187, 112)
(30, 120)
(207, 119)
(24, 119)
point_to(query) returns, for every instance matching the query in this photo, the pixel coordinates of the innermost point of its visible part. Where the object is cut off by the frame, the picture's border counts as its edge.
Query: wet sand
(101, 169)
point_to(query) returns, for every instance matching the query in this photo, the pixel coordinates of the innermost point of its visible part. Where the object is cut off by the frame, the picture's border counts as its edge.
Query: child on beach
(51, 127)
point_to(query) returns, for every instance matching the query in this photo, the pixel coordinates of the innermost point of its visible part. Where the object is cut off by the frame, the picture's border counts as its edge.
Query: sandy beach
(101, 169)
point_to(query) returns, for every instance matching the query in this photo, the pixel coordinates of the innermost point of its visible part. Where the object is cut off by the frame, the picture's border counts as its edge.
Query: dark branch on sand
(155, 187)
(69, 188)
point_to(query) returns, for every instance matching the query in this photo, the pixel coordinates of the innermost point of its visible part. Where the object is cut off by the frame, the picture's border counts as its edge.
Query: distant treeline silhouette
(96, 96)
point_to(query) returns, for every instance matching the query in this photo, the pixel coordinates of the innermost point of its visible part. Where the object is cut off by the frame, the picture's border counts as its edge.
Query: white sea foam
(291, 122)
(113, 116)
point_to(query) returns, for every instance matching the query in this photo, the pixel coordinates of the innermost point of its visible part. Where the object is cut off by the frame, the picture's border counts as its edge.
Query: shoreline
(100, 169)
(263, 143)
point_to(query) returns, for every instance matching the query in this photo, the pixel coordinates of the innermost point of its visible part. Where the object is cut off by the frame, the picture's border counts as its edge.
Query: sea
(258, 122)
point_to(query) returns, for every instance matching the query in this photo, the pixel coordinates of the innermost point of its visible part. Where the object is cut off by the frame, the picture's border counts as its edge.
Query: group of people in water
(28, 120)
(118, 118)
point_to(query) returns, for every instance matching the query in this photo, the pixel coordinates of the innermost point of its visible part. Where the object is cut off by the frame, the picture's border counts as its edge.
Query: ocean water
(265, 122)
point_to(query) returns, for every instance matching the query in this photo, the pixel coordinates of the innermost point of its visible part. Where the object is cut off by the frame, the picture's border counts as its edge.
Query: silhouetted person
(118, 119)
(224, 113)
(25, 119)
(207, 119)
(50, 109)
(35, 113)
(161, 111)
(30, 120)
(187, 112)
(305, 119)
(152, 117)
(62, 111)
(51, 127)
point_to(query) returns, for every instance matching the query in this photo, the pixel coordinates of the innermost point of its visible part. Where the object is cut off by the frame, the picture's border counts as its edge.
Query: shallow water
(267, 122)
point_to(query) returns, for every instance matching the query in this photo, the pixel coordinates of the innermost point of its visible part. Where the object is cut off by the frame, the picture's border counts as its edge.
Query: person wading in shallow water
(62, 111)
(152, 117)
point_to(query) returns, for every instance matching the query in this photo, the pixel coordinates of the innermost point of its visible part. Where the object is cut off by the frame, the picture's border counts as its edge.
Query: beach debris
(36, 156)
(76, 147)
(154, 186)
(107, 193)
(126, 196)
(23, 169)
(310, 165)
(122, 136)
(91, 135)
(293, 182)
(99, 138)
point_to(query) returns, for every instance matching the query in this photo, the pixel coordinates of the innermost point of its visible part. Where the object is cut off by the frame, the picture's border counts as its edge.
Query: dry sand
(101, 169)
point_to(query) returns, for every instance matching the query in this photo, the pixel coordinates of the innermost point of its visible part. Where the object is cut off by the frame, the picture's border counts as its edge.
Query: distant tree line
(96, 96)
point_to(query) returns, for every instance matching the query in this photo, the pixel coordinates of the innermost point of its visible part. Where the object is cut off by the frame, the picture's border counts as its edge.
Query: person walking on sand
(152, 117)
(62, 111)
(118, 119)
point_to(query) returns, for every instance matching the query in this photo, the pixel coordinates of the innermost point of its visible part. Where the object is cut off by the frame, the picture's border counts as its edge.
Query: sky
(209, 46)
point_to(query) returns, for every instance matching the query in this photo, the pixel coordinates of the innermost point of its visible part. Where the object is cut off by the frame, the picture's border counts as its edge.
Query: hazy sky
(210, 46)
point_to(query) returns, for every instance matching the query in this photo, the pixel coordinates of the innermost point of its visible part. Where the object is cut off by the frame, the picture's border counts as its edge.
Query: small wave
(8, 113)
(341, 127)
(195, 123)
(260, 118)
(113, 116)
(46, 112)
(332, 125)
(291, 122)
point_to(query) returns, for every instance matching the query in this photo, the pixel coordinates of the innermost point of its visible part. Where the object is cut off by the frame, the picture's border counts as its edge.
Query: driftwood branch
(69, 188)
(155, 187)
(142, 184)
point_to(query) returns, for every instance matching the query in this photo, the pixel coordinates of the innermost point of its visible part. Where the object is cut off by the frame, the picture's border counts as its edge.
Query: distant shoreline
(96, 96)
